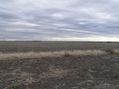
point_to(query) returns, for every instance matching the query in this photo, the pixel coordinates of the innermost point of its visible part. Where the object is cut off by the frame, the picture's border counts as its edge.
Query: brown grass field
(59, 65)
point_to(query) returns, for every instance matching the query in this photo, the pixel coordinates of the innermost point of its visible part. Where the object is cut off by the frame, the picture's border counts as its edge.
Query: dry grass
(4, 56)
(54, 72)
(20, 78)
(117, 51)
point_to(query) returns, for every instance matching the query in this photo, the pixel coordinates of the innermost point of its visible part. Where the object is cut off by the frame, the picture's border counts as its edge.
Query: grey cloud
(73, 18)
(7, 15)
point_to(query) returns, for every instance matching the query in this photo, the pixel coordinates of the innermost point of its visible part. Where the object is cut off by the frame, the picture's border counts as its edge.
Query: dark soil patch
(72, 72)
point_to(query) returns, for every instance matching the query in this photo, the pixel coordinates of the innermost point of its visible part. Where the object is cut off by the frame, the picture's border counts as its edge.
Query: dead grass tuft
(54, 72)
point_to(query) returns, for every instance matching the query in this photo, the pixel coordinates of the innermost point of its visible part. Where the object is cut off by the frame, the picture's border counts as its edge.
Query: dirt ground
(72, 72)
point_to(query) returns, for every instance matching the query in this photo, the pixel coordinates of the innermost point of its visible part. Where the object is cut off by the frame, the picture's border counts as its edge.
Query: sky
(59, 20)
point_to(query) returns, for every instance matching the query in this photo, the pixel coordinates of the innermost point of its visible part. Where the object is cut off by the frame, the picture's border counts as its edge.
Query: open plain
(59, 65)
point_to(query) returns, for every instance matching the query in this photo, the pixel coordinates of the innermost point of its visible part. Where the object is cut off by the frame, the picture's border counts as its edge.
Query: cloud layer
(55, 20)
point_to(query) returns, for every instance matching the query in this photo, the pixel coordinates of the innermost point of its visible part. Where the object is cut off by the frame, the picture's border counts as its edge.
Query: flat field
(59, 65)
(6, 47)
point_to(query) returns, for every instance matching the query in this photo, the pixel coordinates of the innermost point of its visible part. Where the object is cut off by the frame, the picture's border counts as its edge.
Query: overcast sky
(59, 20)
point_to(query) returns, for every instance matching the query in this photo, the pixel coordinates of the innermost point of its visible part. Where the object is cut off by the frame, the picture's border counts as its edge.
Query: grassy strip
(4, 56)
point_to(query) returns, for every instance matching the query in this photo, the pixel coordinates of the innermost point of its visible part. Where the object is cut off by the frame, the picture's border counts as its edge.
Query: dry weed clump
(66, 54)
(4, 56)
(110, 51)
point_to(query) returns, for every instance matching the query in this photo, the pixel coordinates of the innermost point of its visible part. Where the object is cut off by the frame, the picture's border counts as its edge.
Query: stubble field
(59, 65)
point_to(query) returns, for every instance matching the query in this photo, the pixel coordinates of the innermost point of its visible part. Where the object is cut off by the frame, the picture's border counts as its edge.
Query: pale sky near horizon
(59, 20)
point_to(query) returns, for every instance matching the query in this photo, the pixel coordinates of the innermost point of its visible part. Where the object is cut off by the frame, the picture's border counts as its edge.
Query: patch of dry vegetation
(25, 78)
(4, 56)
(20, 78)
(111, 51)
(116, 50)
(54, 72)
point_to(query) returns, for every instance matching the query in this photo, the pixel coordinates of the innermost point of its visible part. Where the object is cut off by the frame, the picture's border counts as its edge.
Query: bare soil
(71, 72)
